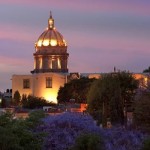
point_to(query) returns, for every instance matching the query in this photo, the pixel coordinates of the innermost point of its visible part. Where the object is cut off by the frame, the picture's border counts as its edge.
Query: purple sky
(100, 34)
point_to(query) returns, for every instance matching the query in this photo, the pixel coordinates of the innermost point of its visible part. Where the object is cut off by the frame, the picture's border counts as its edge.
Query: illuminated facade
(50, 51)
(50, 66)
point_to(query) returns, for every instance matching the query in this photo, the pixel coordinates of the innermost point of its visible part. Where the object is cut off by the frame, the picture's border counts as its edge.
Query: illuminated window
(53, 42)
(26, 83)
(46, 42)
(39, 43)
(48, 82)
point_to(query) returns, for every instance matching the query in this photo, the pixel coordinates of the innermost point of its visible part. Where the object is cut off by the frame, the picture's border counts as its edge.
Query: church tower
(50, 51)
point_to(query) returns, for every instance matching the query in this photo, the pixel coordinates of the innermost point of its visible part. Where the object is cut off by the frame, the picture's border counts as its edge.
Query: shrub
(141, 112)
(35, 118)
(33, 102)
(88, 141)
(19, 134)
(146, 144)
(16, 98)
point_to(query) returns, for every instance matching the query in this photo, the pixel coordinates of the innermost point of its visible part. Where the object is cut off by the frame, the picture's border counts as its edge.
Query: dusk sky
(100, 34)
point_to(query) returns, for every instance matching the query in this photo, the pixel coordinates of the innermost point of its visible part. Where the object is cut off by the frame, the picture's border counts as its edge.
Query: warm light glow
(34, 63)
(59, 64)
(45, 42)
(35, 45)
(39, 43)
(50, 63)
(65, 42)
(50, 21)
(53, 42)
(145, 80)
(50, 96)
(40, 63)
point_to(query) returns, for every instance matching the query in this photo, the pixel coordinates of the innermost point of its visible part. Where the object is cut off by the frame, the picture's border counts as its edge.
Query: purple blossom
(121, 139)
(63, 129)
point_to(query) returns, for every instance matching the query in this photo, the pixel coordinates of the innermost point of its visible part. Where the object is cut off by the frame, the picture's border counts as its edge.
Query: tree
(88, 141)
(146, 70)
(24, 101)
(146, 144)
(17, 98)
(76, 89)
(3, 102)
(32, 102)
(19, 134)
(34, 118)
(141, 111)
(109, 95)
(7, 91)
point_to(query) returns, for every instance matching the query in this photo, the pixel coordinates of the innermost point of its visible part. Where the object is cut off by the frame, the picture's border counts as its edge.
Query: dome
(50, 37)
(50, 51)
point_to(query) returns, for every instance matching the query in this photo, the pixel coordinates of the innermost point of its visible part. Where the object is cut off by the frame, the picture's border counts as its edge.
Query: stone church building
(50, 66)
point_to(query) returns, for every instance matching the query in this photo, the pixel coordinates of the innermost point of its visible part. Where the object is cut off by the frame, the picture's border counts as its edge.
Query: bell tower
(50, 51)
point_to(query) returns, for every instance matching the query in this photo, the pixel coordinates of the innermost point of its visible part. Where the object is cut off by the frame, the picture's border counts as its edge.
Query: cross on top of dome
(50, 21)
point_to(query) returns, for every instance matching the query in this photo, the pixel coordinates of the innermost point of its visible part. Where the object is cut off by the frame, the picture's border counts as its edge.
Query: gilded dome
(50, 37)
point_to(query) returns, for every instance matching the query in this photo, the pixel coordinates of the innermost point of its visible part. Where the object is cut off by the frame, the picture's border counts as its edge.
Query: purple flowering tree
(62, 130)
(118, 138)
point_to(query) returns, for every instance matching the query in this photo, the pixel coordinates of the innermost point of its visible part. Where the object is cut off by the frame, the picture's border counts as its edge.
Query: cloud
(15, 32)
(128, 6)
(10, 61)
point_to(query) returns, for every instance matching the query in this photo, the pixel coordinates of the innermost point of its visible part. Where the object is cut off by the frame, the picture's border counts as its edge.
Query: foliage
(35, 118)
(32, 102)
(3, 103)
(16, 98)
(128, 85)
(8, 140)
(142, 111)
(108, 96)
(118, 138)
(147, 70)
(146, 144)
(24, 101)
(6, 119)
(88, 141)
(64, 130)
(17, 133)
(75, 89)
